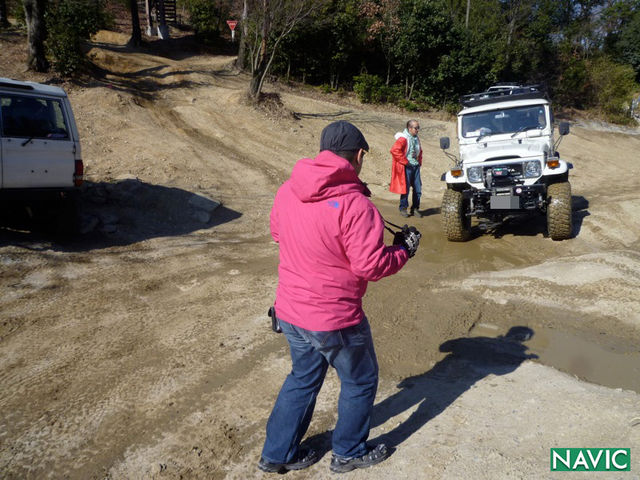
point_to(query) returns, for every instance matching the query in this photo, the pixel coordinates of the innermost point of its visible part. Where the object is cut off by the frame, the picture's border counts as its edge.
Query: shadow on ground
(536, 224)
(146, 83)
(180, 47)
(110, 214)
(468, 361)
(427, 212)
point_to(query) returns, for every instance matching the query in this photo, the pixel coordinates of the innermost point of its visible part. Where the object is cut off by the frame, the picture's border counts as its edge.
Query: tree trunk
(242, 48)
(136, 33)
(4, 21)
(261, 65)
(256, 81)
(408, 87)
(466, 20)
(36, 34)
(163, 29)
(150, 27)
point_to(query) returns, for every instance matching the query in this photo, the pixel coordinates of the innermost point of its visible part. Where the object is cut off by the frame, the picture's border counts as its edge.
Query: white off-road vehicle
(40, 156)
(508, 164)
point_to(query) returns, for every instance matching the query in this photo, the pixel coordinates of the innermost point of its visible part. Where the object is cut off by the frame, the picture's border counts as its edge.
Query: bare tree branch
(270, 21)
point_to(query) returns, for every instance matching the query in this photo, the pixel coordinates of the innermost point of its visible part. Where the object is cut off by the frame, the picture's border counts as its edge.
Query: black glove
(409, 238)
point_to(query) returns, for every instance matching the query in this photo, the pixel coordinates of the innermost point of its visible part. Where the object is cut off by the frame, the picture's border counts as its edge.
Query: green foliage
(324, 49)
(408, 105)
(368, 88)
(16, 10)
(422, 53)
(205, 18)
(629, 43)
(371, 89)
(466, 67)
(69, 24)
(326, 88)
(423, 38)
(451, 107)
(572, 85)
(613, 88)
(345, 45)
(599, 84)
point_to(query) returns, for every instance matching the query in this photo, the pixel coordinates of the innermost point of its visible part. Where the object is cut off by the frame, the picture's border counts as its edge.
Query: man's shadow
(469, 360)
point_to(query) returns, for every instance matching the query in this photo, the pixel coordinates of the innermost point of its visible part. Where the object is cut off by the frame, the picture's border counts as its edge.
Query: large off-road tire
(559, 215)
(456, 224)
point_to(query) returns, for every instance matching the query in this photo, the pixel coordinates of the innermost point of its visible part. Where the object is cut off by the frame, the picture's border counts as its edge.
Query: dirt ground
(142, 349)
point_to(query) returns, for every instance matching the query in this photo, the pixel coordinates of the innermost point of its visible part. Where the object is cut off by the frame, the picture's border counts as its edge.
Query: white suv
(40, 156)
(508, 163)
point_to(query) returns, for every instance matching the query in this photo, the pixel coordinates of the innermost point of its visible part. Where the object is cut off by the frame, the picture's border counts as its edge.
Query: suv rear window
(31, 117)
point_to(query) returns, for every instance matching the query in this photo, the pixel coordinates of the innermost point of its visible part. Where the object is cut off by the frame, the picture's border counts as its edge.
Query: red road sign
(232, 24)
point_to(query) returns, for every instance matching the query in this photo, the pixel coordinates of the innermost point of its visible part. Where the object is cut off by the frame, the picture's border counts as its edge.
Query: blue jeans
(412, 176)
(350, 351)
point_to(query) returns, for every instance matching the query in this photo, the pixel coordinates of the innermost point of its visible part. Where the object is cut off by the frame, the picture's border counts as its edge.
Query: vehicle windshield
(506, 120)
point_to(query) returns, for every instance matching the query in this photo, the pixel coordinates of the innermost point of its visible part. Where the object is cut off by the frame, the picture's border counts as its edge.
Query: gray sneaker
(404, 213)
(305, 459)
(372, 457)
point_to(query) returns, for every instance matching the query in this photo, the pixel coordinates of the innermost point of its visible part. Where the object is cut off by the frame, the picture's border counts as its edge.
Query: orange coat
(398, 161)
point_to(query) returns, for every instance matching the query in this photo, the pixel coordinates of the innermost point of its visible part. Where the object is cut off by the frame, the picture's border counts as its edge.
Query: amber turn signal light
(553, 163)
(456, 173)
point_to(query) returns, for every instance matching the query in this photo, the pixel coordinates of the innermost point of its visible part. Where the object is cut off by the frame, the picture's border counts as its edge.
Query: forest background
(417, 54)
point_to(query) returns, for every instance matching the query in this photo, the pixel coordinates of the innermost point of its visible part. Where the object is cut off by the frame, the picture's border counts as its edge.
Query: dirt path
(142, 349)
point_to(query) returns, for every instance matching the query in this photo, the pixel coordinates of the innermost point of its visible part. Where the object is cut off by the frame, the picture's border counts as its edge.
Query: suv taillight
(78, 174)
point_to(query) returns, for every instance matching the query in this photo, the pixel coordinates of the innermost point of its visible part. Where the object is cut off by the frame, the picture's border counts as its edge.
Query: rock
(108, 218)
(202, 216)
(125, 189)
(110, 228)
(127, 176)
(97, 194)
(203, 203)
(88, 223)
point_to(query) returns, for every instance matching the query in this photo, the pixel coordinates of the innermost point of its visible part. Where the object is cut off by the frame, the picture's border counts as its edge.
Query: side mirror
(563, 128)
(445, 143)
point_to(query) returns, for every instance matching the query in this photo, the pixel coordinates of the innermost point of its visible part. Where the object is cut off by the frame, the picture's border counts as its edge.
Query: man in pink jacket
(331, 245)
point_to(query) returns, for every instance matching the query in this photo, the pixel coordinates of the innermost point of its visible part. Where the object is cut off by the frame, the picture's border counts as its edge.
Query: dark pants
(412, 176)
(350, 351)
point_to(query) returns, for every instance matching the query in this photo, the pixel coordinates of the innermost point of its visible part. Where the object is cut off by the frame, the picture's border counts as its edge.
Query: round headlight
(474, 174)
(532, 169)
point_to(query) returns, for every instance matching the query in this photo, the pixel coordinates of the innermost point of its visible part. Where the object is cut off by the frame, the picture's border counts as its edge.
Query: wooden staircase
(155, 11)
(170, 12)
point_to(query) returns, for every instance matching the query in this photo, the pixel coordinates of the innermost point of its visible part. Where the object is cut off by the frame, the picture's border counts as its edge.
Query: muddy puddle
(614, 365)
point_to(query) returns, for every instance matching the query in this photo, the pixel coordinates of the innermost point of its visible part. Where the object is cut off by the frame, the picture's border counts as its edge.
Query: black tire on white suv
(456, 224)
(559, 211)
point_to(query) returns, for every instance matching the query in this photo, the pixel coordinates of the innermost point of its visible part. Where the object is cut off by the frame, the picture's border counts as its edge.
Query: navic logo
(590, 459)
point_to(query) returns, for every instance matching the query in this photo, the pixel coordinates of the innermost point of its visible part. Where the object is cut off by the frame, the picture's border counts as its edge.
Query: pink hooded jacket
(331, 244)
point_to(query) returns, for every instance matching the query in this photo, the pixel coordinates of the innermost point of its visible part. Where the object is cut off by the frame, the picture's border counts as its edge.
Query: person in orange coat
(406, 155)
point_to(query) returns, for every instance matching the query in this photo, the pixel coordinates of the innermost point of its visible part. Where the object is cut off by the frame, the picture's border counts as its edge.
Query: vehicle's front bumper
(513, 198)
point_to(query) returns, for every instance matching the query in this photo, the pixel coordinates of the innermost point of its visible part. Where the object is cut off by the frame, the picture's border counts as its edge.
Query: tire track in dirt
(608, 280)
(139, 397)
